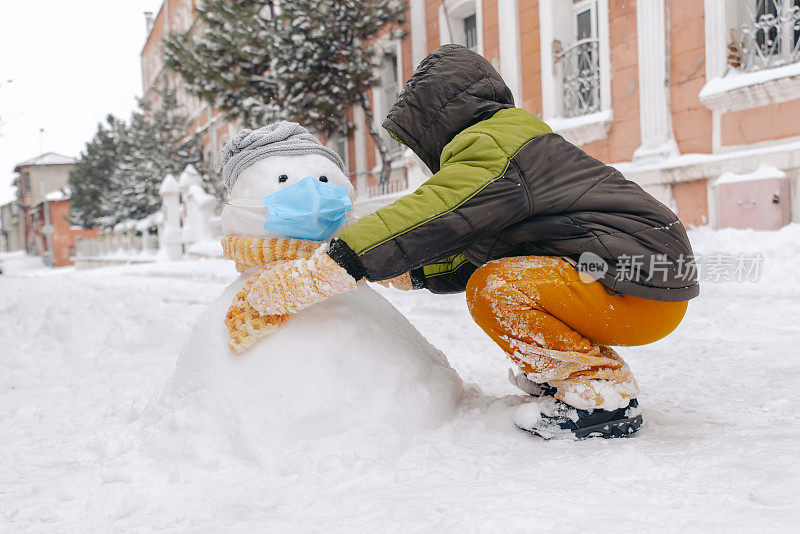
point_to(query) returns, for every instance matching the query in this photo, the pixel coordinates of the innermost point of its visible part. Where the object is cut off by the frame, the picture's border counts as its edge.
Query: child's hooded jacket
(505, 185)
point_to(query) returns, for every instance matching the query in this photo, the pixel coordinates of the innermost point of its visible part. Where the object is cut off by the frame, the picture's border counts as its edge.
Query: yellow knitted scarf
(245, 324)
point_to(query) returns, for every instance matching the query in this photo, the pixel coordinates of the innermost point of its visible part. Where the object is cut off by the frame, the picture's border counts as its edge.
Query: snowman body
(349, 375)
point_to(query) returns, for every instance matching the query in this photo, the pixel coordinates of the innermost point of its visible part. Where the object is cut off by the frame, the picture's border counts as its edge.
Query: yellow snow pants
(557, 328)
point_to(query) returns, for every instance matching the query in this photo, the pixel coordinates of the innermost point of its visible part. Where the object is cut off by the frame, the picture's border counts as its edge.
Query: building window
(460, 23)
(471, 33)
(26, 182)
(576, 72)
(579, 62)
(770, 33)
(389, 91)
(339, 145)
(752, 54)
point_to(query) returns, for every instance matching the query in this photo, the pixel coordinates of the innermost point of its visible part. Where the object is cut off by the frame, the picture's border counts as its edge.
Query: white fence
(186, 222)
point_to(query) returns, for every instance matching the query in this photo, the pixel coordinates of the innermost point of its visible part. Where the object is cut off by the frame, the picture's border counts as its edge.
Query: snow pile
(85, 353)
(327, 382)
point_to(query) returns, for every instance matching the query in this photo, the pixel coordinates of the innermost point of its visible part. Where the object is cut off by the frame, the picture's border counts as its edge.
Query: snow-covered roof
(48, 158)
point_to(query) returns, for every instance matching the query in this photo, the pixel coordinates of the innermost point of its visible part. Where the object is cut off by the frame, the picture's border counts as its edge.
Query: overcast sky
(71, 63)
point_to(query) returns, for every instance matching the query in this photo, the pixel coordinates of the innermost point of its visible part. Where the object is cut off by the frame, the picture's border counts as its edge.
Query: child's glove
(402, 282)
(294, 285)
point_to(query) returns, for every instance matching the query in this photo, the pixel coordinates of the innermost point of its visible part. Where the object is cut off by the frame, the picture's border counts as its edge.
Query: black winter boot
(550, 418)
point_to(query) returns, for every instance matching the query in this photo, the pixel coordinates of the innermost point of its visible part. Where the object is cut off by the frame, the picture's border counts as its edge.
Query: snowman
(346, 373)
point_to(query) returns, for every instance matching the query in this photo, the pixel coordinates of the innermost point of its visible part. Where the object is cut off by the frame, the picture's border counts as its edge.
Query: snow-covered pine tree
(154, 144)
(90, 178)
(324, 60)
(223, 58)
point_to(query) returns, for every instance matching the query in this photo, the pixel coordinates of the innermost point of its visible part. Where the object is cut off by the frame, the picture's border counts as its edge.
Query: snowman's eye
(323, 178)
(282, 178)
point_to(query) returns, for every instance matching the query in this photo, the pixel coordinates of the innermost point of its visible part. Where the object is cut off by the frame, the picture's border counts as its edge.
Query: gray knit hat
(280, 139)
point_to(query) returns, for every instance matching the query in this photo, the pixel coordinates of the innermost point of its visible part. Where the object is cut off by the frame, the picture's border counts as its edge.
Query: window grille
(580, 62)
(581, 77)
(770, 33)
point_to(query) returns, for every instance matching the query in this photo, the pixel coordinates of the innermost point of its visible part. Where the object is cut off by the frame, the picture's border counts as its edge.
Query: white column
(716, 60)
(146, 241)
(170, 205)
(654, 113)
(361, 152)
(479, 24)
(716, 37)
(510, 64)
(445, 31)
(419, 37)
(546, 36)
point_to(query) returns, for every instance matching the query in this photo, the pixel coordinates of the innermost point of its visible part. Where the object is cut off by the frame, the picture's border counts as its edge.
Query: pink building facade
(212, 126)
(675, 93)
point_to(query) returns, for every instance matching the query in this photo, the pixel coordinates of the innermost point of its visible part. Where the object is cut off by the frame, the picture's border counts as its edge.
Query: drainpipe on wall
(47, 230)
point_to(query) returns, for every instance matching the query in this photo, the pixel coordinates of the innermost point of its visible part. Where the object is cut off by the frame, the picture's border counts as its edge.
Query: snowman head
(284, 183)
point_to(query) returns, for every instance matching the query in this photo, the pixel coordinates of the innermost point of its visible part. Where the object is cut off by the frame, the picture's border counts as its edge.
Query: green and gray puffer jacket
(505, 185)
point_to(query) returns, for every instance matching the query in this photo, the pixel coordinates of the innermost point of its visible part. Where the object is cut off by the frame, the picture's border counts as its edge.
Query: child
(508, 215)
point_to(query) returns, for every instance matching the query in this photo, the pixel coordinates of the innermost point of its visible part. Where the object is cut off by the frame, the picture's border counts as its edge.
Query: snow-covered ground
(83, 353)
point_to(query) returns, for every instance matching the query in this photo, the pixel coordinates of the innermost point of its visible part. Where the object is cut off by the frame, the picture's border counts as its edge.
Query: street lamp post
(47, 230)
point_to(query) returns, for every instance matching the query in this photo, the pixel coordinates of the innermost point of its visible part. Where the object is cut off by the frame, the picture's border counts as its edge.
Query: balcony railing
(397, 183)
(388, 188)
(580, 67)
(771, 34)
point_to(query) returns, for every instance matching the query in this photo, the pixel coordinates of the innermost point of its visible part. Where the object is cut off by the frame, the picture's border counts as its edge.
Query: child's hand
(294, 285)
(402, 282)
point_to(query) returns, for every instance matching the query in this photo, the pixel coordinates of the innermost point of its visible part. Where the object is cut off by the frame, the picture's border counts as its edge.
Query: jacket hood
(452, 89)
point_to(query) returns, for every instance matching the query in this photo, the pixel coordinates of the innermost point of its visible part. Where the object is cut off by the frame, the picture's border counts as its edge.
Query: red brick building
(42, 192)
(63, 235)
(212, 126)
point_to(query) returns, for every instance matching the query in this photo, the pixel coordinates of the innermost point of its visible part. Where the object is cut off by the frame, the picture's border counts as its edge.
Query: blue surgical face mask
(309, 209)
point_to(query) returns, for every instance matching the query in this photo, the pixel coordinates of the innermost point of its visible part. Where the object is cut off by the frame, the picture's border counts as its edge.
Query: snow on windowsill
(585, 128)
(695, 166)
(737, 91)
(763, 172)
(691, 159)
